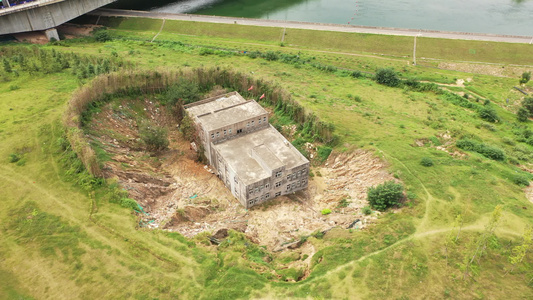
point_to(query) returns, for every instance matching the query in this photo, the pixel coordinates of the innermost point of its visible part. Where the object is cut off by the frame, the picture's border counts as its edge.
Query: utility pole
(414, 49)
(414, 53)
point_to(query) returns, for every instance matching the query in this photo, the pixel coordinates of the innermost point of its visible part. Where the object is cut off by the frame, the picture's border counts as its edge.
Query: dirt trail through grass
(429, 198)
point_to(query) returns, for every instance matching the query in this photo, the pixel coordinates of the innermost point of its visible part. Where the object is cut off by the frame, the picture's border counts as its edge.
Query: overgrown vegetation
(403, 252)
(385, 195)
(154, 137)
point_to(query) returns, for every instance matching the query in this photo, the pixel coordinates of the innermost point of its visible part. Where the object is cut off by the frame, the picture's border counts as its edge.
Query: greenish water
(514, 17)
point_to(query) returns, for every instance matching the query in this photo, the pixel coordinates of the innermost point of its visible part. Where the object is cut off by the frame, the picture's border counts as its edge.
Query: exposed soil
(529, 192)
(178, 194)
(34, 37)
(486, 69)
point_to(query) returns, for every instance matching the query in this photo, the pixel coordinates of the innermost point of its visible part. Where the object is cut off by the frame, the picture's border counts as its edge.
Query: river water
(513, 17)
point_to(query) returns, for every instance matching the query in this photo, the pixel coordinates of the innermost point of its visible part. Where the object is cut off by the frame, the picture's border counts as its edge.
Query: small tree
(526, 76)
(182, 92)
(7, 66)
(102, 36)
(385, 195)
(527, 103)
(426, 162)
(154, 137)
(488, 113)
(522, 114)
(387, 77)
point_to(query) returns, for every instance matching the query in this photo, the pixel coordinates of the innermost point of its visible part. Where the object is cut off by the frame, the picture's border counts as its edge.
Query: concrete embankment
(316, 26)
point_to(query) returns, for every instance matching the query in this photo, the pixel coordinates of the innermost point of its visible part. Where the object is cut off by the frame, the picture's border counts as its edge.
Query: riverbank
(317, 26)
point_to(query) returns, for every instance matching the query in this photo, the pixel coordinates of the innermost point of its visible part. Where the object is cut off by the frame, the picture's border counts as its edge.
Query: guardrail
(28, 5)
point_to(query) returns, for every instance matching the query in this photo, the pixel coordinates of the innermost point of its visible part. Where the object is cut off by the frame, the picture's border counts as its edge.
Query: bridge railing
(17, 5)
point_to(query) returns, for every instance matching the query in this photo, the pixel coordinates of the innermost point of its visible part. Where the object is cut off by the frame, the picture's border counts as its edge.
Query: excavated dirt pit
(181, 195)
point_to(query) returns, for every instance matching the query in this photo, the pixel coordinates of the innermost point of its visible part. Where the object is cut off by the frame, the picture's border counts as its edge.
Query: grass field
(61, 240)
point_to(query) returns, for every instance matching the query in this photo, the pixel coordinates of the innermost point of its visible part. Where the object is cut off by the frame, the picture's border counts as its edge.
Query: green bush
(527, 103)
(326, 211)
(522, 115)
(102, 36)
(367, 210)
(387, 77)
(129, 203)
(271, 56)
(489, 114)
(356, 74)
(526, 76)
(155, 138)
(521, 180)
(426, 162)
(183, 92)
(490, 152)
(323, 152)
(466, 144)
(14, 157)
(206, 51)
(385, 195)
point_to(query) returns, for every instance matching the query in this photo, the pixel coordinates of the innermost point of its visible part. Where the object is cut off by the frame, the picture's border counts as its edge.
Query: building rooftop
(270, 147)
(231, 115)
(214, 104)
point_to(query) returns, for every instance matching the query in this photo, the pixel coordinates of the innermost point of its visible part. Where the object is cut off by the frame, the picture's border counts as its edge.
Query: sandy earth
(179, 194)
(487, 69)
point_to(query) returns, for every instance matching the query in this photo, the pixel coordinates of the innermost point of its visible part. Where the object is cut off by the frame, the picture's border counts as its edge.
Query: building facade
(249, 155)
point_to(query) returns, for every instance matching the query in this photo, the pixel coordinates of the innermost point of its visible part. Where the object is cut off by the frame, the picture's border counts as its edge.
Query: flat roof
(231, 115)
(268, 143)
(216, 103)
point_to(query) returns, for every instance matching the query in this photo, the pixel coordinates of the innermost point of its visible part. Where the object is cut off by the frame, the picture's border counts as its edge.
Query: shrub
(526, 76)
(385, 195)
(466, 144)
(323, 152)
(426, 162)
(489, 114)
(343, 203)
(527, 103)
(129, 203)
(522, 114)
(387, 77)
(326, 211)
(490, 152)
(154, 137)
(356, 74)
(182, 92)
(102, 36)
(521, 180)
(14, 157)
(206, 51)
(367, 210)
(271, 56)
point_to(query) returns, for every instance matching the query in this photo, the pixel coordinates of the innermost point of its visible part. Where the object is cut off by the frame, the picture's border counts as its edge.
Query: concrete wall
(43, 15)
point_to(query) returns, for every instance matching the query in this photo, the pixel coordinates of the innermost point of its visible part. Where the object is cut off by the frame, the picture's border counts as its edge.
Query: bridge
(43, 15)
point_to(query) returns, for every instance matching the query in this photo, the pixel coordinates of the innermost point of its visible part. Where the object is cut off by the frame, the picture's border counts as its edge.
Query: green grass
(52, 246)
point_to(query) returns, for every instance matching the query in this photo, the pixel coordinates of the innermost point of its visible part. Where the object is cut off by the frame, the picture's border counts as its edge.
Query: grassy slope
(402, 255)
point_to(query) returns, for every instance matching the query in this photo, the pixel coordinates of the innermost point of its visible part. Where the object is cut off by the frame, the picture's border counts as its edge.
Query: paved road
(316, 26)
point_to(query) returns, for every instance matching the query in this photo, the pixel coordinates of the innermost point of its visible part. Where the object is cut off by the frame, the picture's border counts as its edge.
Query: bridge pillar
(5, 3)
(52, 33)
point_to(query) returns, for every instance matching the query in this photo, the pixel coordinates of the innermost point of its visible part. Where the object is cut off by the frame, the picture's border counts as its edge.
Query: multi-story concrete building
(249, 155)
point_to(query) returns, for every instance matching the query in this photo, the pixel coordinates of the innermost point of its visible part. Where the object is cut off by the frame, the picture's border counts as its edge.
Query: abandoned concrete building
(249, 155)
